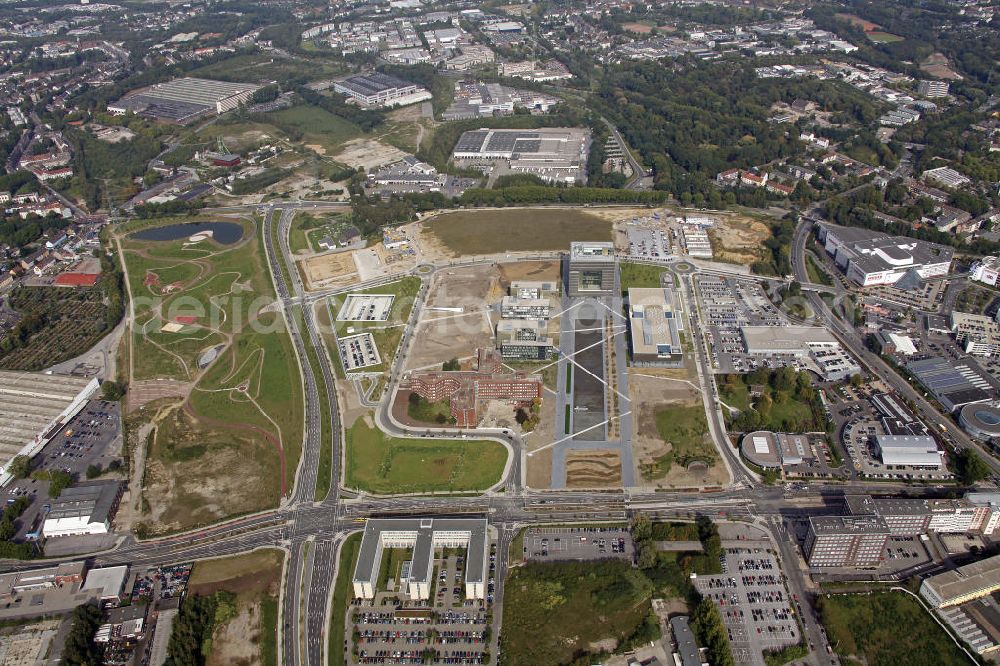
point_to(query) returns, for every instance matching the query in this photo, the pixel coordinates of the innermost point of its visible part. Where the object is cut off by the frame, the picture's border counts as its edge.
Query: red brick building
(467, 390)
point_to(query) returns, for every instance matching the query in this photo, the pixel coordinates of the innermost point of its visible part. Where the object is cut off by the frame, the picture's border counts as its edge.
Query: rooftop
(966, 580)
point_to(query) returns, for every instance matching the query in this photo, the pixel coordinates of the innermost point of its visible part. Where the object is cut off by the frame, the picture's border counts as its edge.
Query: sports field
(386, 465)
(229, 440)
(515, 230)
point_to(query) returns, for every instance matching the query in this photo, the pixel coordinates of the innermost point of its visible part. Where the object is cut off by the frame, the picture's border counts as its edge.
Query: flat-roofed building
(512, 307)
(107, 582)
(378, 89)
(962, 584)
(591, 269)
(978, 335)
(424, 536)
(184, 100)
(953, 384)
(534, 288)
(986, 270)
(873, 258)
(557, 154)
(958, 516)
(946, 176)
(815, 345)
(654, 327)
(688, 653)
(524, 339)
(918, 451)
(771, 450)
(86, 508)
(846, 541)
(34, 407)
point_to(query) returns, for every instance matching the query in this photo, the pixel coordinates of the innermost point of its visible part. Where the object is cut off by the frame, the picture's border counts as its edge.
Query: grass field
(555, 612)
(430, 412)
(256, 67)
(816, 274)
(388, 465)
(521, 230)
(639, 276)
(878, 628)
(243, 421)
(549, 370)
(319, 126)
(684, 428)
(884, 37)
(387, 333)
(784, 413)
(342, 593)
(255, 578)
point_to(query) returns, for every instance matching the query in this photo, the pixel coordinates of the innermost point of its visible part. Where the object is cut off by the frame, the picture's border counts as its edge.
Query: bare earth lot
(368, 154)
(601, 468)
(738, 239)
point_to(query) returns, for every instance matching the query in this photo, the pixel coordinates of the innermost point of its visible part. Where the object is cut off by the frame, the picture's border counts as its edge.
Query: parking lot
(392, 629)
(753, 602)
(547, 544)
(727, 304)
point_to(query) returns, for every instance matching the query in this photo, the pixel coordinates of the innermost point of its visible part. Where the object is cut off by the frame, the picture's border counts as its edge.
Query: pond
(225, 233)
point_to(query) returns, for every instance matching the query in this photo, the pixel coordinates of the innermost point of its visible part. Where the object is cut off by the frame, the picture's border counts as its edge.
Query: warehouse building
(771, 450)
(966, 583)
(654, 327)
(107, 583)
(911, 451)
(86, 508)
(846, 541)
(381, 90)
(591, 269)
(524, 339)
(184, 100)
(873, 258)
(556, 154)
(424, 536)
(953, 384)
(34, 407)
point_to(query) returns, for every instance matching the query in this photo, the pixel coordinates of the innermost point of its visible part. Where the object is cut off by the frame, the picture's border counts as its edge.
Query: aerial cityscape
(554, 333)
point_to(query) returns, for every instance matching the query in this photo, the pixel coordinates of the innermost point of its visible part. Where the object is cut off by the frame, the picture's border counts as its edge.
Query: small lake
(225, 233)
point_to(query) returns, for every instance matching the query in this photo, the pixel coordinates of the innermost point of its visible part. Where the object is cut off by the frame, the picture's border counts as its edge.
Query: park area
(243, 591)
(787, 402)
(507, 230)
(227, 437)
(378, 463)
(885, 628)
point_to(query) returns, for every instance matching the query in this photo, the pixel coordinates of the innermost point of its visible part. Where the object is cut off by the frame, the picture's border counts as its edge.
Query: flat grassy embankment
(556, 612)
(685, 428)
(342, 593)
(387, 333)
(319, 127)
(387, 465)
(878, 628)
(520, 230)
(639, 276)
(255, 579)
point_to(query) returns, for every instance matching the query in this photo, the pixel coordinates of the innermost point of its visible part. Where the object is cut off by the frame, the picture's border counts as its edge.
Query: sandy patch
(529, 271)
(601, 468)
(738, 240)
(368, 154)
(638, 28)
(322, 268)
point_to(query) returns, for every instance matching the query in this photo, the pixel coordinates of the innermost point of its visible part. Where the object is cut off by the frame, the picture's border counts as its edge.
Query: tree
(58, 482)
(971, 467)
(80, 649)
(19, 467)
(112, 391)
(93, 471)
(451, 366)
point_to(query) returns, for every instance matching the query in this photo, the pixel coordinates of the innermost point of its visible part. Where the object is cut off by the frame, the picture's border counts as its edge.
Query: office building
(985, 270)
(381, 90)
(184, 100)
(966, 583)
(978, 335)
(524, 339)
(591, 269)
(512, 307)
(555, 154)
(903, 517)
(86, 508)
(846, 541)
(424, 536)
(933, 88)
(872, 258)
(654, 327)
(958, 516)
(534, 288)
(467, 391)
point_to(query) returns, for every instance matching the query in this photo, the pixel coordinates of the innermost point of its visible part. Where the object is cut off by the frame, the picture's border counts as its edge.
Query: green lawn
(324, 467)
(387, 465)
(343, 591)
(884, 37)
(686, 430)
(816, 274)
(639, 275)
(881, 627)
(555, 611)
(318, 126)
(430, 412)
